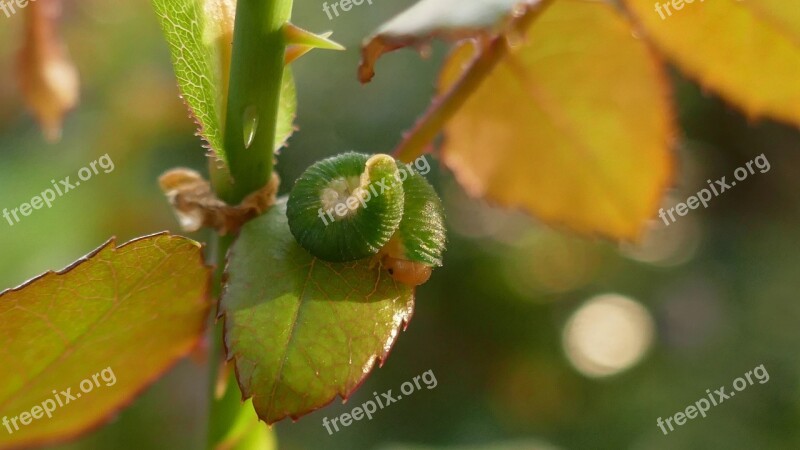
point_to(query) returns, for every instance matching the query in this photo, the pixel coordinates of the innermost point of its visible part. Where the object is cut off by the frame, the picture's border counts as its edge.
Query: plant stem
(257, 65)
(221, 411)
(445, 106)
(253, 99)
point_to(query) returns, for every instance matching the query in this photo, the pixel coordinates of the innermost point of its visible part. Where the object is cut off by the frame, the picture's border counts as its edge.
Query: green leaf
(301, 330)
(247, 432)
(196, 57)
(287, 110)
(134, 310)
(200, 36)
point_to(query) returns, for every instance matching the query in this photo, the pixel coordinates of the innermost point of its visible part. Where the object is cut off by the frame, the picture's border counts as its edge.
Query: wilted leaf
(427, 19)
(48, 78)
(200, 36)
(301, 330)
(134, 309)
(573, 125)
(747, 51)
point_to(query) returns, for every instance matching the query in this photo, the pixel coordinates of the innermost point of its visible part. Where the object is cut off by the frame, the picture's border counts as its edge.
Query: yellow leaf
(747, 51)
(573, 125)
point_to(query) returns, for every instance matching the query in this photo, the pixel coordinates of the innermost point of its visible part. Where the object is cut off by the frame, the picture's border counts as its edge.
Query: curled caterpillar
(355, 206)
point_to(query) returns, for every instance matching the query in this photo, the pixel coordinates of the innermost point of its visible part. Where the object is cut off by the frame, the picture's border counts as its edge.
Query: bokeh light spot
(608, 334)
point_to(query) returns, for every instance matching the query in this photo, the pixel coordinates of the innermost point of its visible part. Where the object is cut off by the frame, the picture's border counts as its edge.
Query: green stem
(221, 411)
(257, 65)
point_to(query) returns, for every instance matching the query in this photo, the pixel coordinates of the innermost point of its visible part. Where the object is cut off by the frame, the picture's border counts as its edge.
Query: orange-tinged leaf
(573, 125)
(47, 76)
(133, 309)
(746, 51)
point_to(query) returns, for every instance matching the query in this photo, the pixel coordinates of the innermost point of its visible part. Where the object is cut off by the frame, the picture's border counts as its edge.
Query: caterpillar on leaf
(355, 206)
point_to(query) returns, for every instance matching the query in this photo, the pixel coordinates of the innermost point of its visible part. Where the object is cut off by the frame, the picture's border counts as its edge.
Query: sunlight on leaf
(301, 330)
(748, 51)
(573, 125)
(287, 110)
(196, 56)
(200, 36)
(135, 309)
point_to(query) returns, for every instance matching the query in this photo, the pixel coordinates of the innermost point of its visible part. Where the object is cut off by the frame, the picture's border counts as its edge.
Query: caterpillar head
(407, 272)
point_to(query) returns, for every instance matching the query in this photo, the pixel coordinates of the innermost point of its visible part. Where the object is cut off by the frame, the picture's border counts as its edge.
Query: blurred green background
(719, 288)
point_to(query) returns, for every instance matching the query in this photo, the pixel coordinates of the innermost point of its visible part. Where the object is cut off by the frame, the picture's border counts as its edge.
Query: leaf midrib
(290, 338)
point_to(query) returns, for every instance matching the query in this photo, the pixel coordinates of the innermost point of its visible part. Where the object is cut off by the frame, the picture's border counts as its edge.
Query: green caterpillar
(355, 206)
